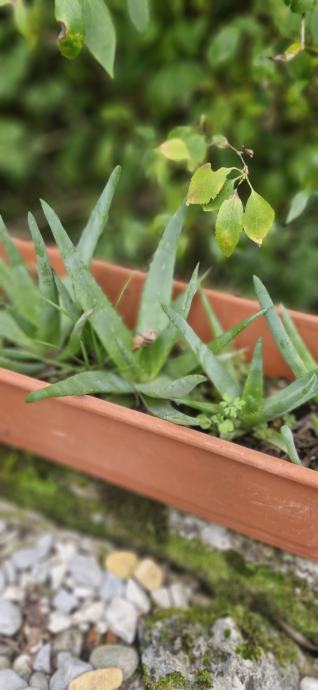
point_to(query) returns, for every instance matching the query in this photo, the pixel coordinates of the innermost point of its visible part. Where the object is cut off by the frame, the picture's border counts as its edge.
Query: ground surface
(191, 605)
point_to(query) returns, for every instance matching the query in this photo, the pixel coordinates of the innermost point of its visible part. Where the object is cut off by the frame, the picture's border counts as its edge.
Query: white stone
(137, 596)
(13, 594)
(39, 681)
(112, 586)
(11, 681)
(57, 574)
(90, 613)
(86, 571)
(70, 668)
(122, 618)
(42, 661)
(22, 666)
(179, 595)
(65, 601)
(65, 550)
(309, 684)
(9, 572)
(10, 618)
(162, 598)
(2, 581)
(58, 622)
(44, 546)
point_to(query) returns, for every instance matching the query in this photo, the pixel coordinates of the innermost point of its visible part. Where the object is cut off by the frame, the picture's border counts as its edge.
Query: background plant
(64, 125)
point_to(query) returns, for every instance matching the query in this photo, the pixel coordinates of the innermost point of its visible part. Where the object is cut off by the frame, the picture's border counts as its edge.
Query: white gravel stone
(137, 596)
(65, 550)
(2, 580)
(22, 666)
(42, 661)
(112, 586)
(11, 681)
(90, 613)
(40, 573)
(4, 662)
(10, 618)
(58, 622)
(110, 655)
(39, 680)
(69, 641)
(44, 546)
(13, 594)
(23, 559)
(162, 598)
(57, 575)
(309, 684)
(10, 572)
(65, 601)
(179, 595)
(86, 571)
(122, 618)
(70, 669)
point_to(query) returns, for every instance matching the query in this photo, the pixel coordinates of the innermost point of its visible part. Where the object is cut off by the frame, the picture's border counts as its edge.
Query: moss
(203, 679)
(168, 682)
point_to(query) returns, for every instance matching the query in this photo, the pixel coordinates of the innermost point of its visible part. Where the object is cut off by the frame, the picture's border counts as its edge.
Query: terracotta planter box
(251, 492)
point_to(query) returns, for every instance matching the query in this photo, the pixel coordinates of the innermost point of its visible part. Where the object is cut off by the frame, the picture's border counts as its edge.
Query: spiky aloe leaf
(187, 362)
(291, 449)
(24, 294)
(98, 219)
(290, 398)
(297, 340)
(87, 382)
(66, 300)
(48, 317)
(154, 357)
(158, 284)
(73, 345)
(164, 410)
(278, 330)
(28, 368)
(213, 368)
(164, 387)
(10, 331)
(253, 391)
(111, 330)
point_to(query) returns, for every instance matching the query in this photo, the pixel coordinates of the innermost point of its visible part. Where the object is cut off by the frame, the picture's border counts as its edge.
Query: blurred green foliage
(64, 125)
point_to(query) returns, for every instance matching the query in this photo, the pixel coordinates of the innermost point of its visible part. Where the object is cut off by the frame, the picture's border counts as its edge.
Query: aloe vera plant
(68, 333)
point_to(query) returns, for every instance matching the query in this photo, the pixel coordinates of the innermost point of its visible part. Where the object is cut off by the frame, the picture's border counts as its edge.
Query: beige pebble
(101, 679)
(121, 563)
(149, 574)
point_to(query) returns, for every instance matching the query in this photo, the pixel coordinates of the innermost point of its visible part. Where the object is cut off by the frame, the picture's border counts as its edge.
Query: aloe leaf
(278, 330)
(48, 317)
(164, 410)
(291, 449)
(253, 391)
(154, 357)
(111, 330)
(214, 369)
(187, 362)
(21, 367)
(11, 332)
(297, 340)
(294, 395)
(73, 345)
(217, 330)
(98, 219)
(19, 298)
(201, 405)
(85, 383)
(66, 300)
(158, 284)
(163, 387)
(25, 296)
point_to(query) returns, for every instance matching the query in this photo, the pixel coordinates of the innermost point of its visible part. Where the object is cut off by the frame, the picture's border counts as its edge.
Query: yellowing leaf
(206, 184)
(229, 223)
(258, 217)
(175, 150)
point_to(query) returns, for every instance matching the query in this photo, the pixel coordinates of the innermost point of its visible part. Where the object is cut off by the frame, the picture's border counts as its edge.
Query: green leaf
(164, 387)
(298, 205)
(85, 383)
(27, 368)
(113, 334)
(229, 223)
(300, 6)
(98, 219)
(48, 317)
(217, 330)
(206, 184)
(278, 330)
(226, 191)
(159, 281)
(70, 15)
(175, 150)
(11, 332)
(258, 217)
(297, 340)
(253, 391)
(66, 300)
(139, 13)
(75, 339)
(23, 293)
(153, 358)
(223, 46)
(194, 141)
(291, 449)
(214, 369)
(100, 37)
(164, 410)
(290, 398)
